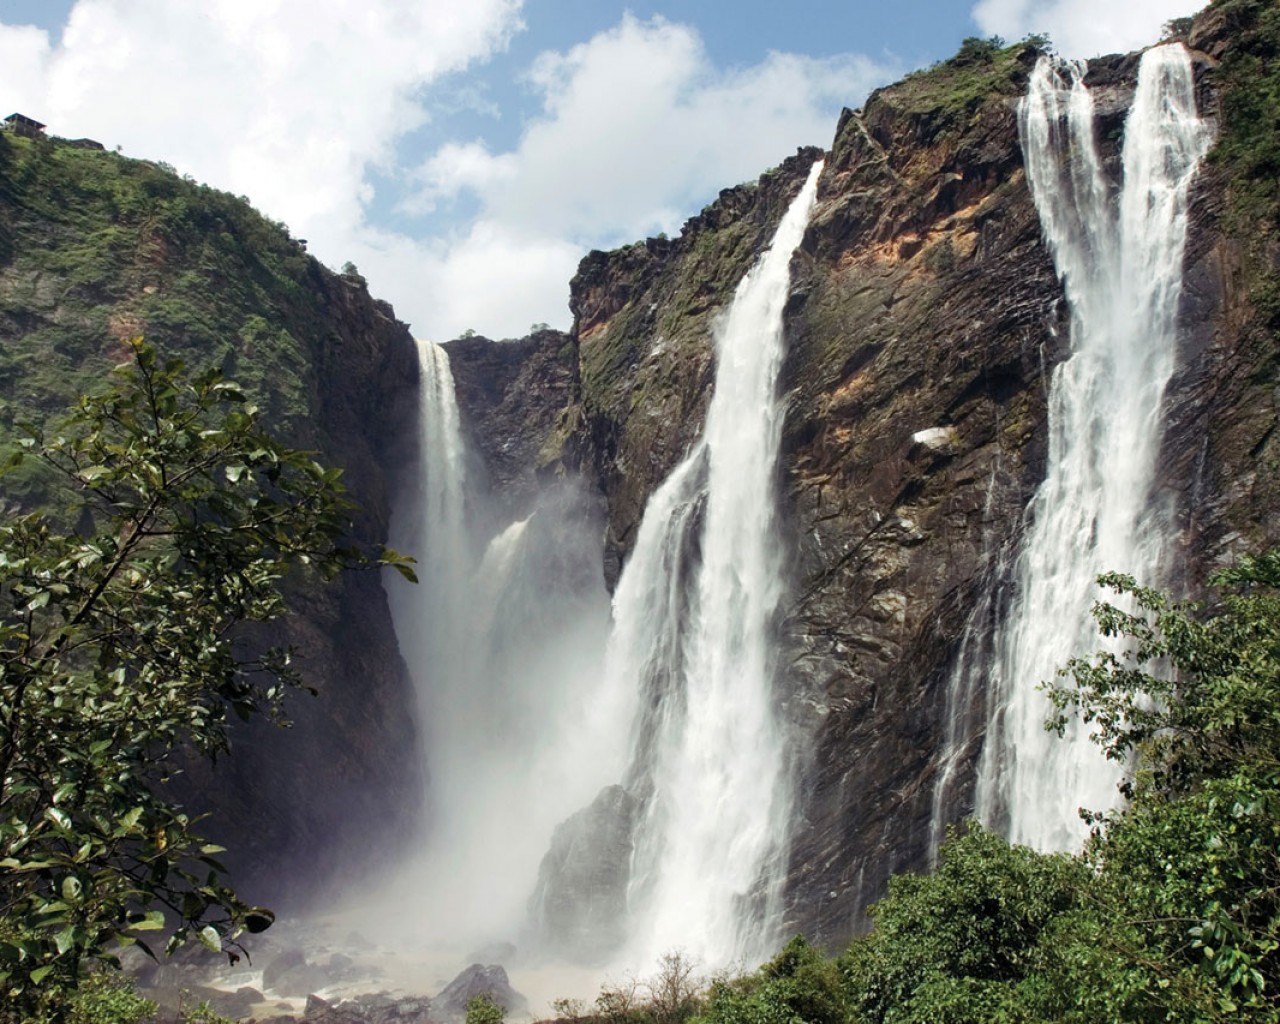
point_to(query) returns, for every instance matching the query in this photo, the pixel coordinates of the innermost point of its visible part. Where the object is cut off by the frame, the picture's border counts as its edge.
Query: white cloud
(457, 167)
(24, 53)
(500, 281)
(1083, 28)
(637, 129)
(290, 102)
(637, 123)
(301, 106)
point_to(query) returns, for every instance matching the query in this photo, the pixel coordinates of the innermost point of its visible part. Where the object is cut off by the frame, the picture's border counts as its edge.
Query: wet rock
(450, 1005)
(281, 965)
(579, 907)
(367, 1009)
(237, 1004)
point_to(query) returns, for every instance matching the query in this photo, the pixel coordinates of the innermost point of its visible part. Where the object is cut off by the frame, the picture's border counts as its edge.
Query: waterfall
(1120, 261)
(693, 644)
(430, 523)
(952, 786)
(504, 640)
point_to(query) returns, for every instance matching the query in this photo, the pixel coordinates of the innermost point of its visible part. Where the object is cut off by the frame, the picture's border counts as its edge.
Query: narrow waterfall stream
(693, 642)
(1120, 260)
(504, 639)
(430, 522)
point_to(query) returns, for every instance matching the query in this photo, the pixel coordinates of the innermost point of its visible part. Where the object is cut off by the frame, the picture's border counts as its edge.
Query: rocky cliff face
(341, 788)
(520, 401)
(924, 320)
(95, 248)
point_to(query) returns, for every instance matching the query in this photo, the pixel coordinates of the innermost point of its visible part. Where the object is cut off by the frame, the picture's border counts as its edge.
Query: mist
(504, 638)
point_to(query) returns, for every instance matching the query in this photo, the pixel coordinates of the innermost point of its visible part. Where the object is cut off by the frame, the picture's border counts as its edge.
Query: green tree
(975, 50)
(799, 984)
(127, 618)
(1194, 862)
(482, 1009)
(969, 942)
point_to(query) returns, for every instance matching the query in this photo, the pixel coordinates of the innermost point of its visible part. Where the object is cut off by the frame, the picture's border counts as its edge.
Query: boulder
(579, 906)
(477, 980)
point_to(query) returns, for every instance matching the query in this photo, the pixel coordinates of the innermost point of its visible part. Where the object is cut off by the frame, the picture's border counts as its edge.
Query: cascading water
(692, 644)
(430, 522)
(1122, 272)
(963, 735)
(504, 640)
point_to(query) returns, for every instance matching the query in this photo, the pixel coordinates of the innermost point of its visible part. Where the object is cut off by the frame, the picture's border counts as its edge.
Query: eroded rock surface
(924, 322)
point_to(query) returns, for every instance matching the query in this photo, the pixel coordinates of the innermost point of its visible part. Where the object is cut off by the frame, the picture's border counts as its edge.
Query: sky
(465, 154)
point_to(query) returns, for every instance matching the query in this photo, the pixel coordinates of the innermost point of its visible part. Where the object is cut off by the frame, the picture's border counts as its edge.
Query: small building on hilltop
(20, 124)
(29, 127)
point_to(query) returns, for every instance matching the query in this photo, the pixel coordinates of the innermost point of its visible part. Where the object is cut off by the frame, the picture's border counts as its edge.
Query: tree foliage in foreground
(1172, 912)
(124, 638)
(1195, 860)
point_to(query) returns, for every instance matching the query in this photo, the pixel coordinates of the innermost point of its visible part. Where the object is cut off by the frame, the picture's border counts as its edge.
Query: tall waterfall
(693, 643)
(1120, 261)
(504, 639)
(430, 523)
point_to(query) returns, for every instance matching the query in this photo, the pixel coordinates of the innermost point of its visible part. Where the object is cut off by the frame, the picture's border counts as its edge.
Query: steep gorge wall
(96, 248)
(926, 316)
(924, 320)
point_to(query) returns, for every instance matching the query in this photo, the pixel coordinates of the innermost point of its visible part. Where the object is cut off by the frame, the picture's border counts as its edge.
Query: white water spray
(504, 639)
(1122, 273)
(430, 523)
(692, 639)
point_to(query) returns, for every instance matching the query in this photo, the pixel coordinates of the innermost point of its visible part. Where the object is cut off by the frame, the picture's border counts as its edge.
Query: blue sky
(465, 155)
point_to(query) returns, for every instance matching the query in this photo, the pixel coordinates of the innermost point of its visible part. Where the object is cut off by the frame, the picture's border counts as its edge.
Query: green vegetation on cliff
(1249, 143)
(952, 91)
(96, 248)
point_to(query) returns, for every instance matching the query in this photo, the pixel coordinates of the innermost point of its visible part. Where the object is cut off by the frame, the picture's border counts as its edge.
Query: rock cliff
(924, 319)
(95, 248)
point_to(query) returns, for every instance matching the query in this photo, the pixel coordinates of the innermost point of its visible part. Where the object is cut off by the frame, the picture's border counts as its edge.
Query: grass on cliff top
(1248, 145)
(953, 90)
(95, 247)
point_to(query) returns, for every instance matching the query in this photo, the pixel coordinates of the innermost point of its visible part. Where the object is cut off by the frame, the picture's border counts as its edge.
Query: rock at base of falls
(373, 1009)
(580, 903)
(477, 980)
